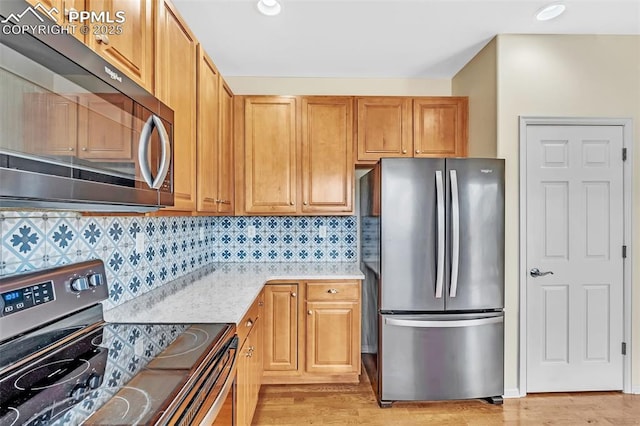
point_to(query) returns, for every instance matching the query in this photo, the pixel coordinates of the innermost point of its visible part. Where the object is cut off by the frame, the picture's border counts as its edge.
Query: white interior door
(574, 230)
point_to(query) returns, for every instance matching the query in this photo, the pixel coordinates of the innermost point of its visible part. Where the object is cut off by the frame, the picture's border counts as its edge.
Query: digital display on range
(27, 297)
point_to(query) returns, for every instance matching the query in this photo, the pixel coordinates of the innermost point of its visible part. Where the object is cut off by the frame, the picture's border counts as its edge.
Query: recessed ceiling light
(269, 7)
(549, 12)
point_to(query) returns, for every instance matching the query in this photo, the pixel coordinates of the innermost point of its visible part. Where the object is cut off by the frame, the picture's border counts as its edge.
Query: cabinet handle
(332, 291)
(404, 151)
(310, 312)
(293, 294)
(84, 148)
(102, 38)
(260, 303)
(70, 149)
(248, 354)
(225, 201)
(292, 203)
(251, 348)
(417, 151)
(217, 201)
(305, 203)
(249, 323)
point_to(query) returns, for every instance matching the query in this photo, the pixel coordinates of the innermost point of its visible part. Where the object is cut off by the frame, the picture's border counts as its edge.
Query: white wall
(573, 76)
(478, 81)
(338, 86)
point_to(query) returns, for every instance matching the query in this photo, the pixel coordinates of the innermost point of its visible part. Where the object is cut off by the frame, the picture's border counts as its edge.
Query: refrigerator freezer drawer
(439, 357)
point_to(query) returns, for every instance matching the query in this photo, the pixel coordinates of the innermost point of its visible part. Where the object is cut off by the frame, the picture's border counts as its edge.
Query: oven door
(75, 130)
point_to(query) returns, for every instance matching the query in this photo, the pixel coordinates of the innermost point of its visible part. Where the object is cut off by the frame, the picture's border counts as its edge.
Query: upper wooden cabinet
(327, 159)
(176, 60)
(384, 128)
(132, 50)
(411, 127)
(440, 127)
(225, 166)
(296, 155)
(270, 155)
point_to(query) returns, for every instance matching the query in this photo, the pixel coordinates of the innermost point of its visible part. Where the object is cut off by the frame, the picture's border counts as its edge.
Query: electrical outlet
(322, 231)
(251, 231)
(140, 242)
(201, 233)
(139, 347)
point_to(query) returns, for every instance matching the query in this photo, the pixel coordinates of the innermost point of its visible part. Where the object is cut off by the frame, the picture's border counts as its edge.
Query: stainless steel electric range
(61, 364)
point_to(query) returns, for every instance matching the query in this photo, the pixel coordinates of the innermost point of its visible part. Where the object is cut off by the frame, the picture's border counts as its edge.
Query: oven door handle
(213, 411)
(154, 122)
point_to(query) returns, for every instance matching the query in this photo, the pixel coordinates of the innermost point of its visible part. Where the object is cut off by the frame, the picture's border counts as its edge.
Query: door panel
(436, 357)
(480, 270)
(409, 235)
(575, 230)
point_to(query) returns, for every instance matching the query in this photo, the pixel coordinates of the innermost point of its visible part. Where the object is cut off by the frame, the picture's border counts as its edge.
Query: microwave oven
(75, 132)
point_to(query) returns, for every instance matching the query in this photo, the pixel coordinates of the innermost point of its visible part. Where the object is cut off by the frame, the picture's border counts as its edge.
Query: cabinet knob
(404, 151)
(332, 291)
(417, 151)
(305, 203)
(310, 312)
(293, 294)
(260, 303)
(249, 323)
(102, 38)
(292, 203)
(70, 149)
(84, 148)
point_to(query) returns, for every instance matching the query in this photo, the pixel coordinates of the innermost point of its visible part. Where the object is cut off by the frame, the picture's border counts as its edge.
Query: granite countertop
(220, 293)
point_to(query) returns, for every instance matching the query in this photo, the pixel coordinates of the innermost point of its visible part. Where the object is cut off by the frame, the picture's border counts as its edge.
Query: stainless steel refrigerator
(433, 234)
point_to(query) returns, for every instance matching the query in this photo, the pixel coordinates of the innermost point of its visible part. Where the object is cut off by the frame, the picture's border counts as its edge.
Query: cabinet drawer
(333, 291)
(249, 320)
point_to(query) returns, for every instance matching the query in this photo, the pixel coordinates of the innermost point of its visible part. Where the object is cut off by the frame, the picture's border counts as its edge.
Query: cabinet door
(62, 7)
(176, 60)
(327, 154)
(280, 331)
(333, 337)
(243, 384)
(106, 127)
(384, 128)
(225, 165)
(132, 50)
(440, 127)
(208, 133)
(270, 155)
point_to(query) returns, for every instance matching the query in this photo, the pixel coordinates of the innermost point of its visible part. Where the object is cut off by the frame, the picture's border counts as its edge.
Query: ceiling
(380, 38)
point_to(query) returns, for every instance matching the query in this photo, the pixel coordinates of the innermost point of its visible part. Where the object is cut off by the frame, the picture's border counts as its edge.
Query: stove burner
(97, 341)
(25, 376)
(199, 337)
(16, 413)
(129, 406)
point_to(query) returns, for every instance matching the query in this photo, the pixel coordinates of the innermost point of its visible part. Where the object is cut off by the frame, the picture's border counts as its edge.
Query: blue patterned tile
(24, 244)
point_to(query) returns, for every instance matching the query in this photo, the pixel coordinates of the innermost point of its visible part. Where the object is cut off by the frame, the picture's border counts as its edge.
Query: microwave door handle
(143, 151)
(165, 149)
(440, 220)
(455, 233)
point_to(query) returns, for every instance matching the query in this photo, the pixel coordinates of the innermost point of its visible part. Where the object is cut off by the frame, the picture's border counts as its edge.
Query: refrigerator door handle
(455, 233)
(440, 209)
(444, 323)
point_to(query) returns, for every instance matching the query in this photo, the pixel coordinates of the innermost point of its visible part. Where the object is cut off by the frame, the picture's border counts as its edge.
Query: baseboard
(635, 390)
(512, 393)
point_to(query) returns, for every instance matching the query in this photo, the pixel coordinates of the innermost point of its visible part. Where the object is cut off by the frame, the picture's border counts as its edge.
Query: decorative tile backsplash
(141, 253)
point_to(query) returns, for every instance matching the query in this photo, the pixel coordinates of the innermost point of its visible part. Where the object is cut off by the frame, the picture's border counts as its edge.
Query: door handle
(440, 241)
(152, 123)
(455, 234)
(535, 272)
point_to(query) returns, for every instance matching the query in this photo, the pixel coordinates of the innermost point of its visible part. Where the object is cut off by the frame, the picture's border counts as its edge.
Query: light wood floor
(356, 404)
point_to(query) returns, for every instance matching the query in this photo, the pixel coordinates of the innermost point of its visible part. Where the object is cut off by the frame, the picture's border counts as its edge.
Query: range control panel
(27, 297)
(38, 297)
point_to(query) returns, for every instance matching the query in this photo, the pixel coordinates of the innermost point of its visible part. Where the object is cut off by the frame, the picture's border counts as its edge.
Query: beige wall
(477, 80)
(338, 86)
(572, 76)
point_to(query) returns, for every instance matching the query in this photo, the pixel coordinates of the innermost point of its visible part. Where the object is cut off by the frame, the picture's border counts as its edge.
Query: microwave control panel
(26, 297)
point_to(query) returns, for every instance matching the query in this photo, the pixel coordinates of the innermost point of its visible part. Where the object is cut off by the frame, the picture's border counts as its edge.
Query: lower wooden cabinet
(312, 332)
(249, 364)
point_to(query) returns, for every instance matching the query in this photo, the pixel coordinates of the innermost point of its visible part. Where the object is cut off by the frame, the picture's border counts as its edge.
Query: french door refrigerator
(439, 224)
